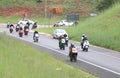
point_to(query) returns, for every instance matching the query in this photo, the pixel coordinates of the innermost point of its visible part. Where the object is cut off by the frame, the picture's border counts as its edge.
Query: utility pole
(45, 10)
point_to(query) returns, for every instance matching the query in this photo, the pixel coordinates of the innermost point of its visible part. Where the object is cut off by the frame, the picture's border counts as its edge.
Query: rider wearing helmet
(35, 32)
(84, 37)
(66, 39)
(70, 49)
(73, 53)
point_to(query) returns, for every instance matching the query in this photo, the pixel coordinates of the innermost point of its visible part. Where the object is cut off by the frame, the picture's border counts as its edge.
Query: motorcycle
(85, 46)
(62, 44)
(66, 41)
(34, 25)
(17, 28)
(73, 54)
(36, 38)
(11, 29)
(8, 25)
(26, 31)
(20, 33)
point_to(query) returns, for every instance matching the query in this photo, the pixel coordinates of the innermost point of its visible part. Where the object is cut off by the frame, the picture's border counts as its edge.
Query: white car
(58, 32)
(58, 24)
(63, 23)
(24, 22)
(67, 23)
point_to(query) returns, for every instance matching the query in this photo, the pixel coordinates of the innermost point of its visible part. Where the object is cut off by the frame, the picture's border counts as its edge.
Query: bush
(101, 5)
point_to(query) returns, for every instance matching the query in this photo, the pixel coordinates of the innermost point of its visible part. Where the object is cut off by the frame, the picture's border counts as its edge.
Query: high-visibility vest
(74, 50)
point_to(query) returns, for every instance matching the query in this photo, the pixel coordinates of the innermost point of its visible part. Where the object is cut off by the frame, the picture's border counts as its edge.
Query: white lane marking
(105, 54)
(67, 55)
(100, 52)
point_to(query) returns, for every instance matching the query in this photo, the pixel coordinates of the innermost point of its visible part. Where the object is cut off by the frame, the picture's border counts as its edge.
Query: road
(101, 62)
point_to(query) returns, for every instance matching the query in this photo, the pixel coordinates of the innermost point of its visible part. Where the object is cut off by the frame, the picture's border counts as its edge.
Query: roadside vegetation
(102, 30)
(14, 3)
(18, 60)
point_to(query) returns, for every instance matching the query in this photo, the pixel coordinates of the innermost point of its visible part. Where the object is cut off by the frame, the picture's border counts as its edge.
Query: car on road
(58, 32)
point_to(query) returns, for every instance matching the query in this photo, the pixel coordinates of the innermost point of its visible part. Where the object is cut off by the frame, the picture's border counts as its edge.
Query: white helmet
(83, 35)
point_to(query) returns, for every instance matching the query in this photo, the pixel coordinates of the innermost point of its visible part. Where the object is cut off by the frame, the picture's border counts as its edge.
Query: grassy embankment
(102, 30)
(18, 60)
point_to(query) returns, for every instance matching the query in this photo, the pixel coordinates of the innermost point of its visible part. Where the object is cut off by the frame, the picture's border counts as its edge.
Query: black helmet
(36, 32)
(72, 45)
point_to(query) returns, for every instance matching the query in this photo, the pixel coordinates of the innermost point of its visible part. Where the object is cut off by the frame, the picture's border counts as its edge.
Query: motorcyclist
(35, 32)
(62, 42)
(84, 37)
(8, 24)
(70, 49)
(73, 52)
(66, 39)
(21, 28)
(25, 27)
(34, 25)
(28, 24)
(26, 30)
(17, 27)
(11, 28)
(21, 32)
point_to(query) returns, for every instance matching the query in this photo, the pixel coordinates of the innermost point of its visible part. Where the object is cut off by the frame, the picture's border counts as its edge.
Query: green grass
(11, 19)
(18, 60)
(102, 30)
(42, 20)
(13, 3)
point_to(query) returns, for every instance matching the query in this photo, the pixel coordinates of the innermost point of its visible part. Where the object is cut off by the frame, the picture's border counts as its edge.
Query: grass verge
(18, 60)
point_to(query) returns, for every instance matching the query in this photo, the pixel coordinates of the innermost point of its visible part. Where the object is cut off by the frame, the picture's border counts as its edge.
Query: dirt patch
(15, 11)
(38, 10)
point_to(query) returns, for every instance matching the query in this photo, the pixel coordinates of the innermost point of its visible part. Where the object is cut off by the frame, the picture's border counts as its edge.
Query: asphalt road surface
(101, 62)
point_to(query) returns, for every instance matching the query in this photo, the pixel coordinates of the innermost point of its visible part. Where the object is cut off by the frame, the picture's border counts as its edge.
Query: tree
(103, 4)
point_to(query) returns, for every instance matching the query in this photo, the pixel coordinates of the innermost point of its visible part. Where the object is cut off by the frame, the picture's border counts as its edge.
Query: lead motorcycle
(73, 53)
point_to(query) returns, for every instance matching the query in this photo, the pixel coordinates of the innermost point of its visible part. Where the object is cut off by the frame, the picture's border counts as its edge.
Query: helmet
(83, 35)
(72, 45)
(35, 31)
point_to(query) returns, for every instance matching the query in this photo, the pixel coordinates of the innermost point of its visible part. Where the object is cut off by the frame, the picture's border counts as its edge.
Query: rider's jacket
(86, 42)
(36, 35)
(74, 50)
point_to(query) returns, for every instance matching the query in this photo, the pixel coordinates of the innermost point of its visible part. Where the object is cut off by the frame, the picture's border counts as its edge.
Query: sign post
(73, 17)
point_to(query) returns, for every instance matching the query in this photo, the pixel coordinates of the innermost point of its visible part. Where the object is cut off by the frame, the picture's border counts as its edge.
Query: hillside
(33, 9)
